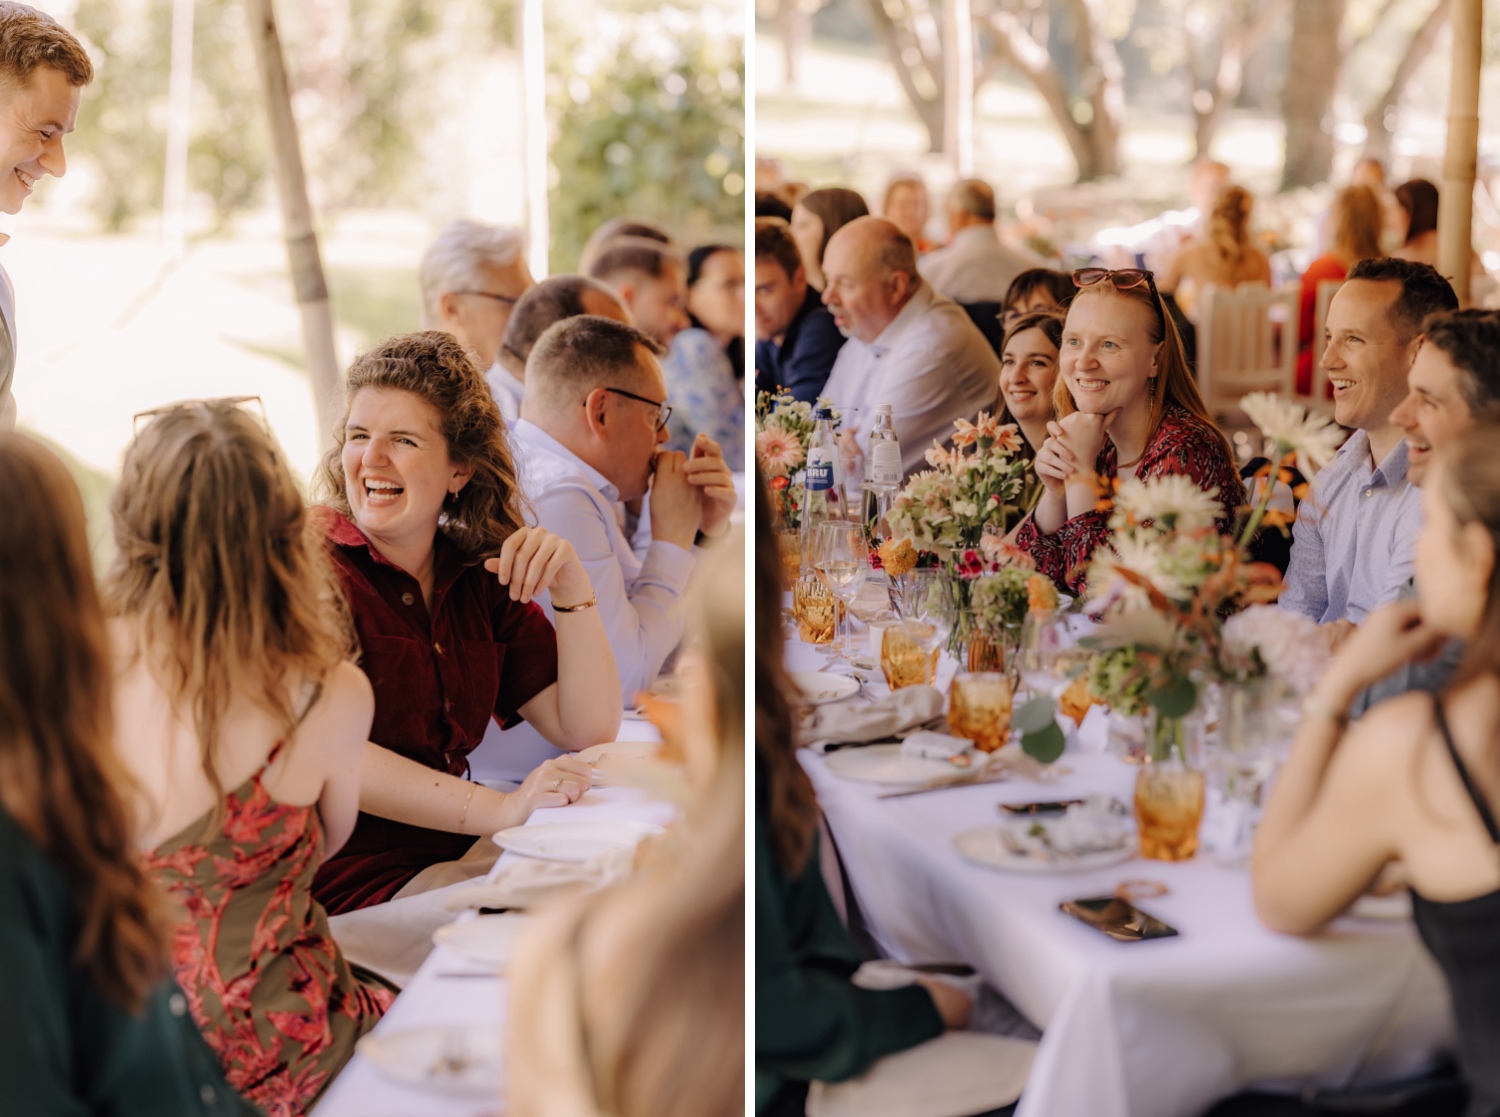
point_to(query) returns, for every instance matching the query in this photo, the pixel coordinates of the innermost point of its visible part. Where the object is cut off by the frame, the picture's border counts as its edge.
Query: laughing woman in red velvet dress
(244, 726)
(1126, 406)
(440, 571)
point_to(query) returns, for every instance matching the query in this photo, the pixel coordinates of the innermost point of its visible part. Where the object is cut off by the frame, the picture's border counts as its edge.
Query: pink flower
(1008, 438)
(780, 452)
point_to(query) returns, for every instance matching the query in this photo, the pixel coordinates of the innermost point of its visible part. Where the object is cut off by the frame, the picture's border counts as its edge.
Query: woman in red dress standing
(424, 527)
(1127, 406)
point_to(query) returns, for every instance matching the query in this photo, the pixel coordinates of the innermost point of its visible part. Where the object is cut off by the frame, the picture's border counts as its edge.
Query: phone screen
(1117, 918)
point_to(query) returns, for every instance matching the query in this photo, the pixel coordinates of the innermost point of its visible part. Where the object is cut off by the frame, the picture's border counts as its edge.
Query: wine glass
(925, 603)
(842, 559)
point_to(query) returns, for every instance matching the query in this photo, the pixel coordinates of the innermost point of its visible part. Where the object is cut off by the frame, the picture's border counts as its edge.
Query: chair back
(1246, 343)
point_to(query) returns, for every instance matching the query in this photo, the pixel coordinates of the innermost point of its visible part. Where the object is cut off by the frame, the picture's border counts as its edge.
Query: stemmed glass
(926, 606)
(1042, 639)
(842, 559)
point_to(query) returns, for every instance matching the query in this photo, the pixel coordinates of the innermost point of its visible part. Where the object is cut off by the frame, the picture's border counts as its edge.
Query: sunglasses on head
(1125, 279)
(252, 404)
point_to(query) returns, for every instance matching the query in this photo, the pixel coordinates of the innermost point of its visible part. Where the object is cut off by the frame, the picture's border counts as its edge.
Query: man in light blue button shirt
(1352, 543)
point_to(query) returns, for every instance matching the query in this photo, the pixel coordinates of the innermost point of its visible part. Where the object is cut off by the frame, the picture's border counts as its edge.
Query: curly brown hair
(221, 572)
(433, 367)
(60, 779)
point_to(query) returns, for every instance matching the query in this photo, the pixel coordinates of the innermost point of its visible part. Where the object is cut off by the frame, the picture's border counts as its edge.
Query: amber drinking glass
(979, 708)
(789, 546)
(903, 662)
(814, 607)
(1168, 810)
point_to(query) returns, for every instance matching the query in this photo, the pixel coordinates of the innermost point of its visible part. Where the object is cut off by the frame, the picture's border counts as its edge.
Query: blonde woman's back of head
(1357, 223)
(1229, 225)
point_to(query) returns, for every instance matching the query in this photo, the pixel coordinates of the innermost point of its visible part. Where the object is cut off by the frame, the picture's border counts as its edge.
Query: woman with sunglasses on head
(243, 725)
(425, 530)
(93, 1023)
(1127, 406)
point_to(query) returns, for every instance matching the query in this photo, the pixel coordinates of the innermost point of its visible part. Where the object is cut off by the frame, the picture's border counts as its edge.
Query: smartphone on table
(1119, 919)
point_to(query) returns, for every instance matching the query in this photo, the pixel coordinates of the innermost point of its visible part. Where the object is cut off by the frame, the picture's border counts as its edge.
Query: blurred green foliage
(648, 117)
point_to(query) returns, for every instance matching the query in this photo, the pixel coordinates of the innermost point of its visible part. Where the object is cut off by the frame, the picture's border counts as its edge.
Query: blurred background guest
(716, 299)
(650, 279)
(796, 338)
(816, 216)
(634, 997)
(907, 206)
(769, 204)
(471, 277)
(1418, 200)
(1222, 255)
(613, 229)
(243, 724)
(974, 266)
(93, 1021)
(1034, 290)
(1356, 218)
(553, 299)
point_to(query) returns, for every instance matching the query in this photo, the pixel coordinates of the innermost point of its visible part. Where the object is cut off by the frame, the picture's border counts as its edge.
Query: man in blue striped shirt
(1352, 543)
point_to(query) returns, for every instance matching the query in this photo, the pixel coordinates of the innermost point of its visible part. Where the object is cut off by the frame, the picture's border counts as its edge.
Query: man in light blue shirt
(1352, 543)
(595, 414)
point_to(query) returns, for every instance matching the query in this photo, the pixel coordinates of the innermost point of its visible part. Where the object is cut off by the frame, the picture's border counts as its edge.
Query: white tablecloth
(432, 999)
(1148, 1029)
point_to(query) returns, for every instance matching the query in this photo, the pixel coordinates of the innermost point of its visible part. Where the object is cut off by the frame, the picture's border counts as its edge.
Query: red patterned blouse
(1183, 443)
(438, 677)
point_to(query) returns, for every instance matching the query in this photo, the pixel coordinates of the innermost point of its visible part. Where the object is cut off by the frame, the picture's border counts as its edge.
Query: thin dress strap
(1480, 804)
(311, 692)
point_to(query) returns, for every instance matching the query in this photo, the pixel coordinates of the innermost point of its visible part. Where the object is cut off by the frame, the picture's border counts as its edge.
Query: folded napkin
(892, 715)
(526, 882)
(958, 1073)
(929, 745)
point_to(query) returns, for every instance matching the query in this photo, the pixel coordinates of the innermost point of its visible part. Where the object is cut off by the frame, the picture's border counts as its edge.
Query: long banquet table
(435, 998)
(1150, 1029)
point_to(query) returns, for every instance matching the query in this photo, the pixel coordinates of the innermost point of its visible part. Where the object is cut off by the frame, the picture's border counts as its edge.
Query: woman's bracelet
(580, 607)
(463, 817)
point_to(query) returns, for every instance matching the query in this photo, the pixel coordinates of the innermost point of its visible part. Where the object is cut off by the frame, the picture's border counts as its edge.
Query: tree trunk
(1220, 83)
(296, 218)
(1378, 131)
(794, 27)
(912, 61)
(1307, 100)
(1461, 153)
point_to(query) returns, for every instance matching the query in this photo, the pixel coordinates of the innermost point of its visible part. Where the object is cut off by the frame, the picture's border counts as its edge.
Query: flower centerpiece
(783, 430)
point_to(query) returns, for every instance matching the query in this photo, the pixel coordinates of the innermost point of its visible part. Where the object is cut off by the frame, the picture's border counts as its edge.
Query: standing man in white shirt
(43, 70)
(974, 266)
(472, 276)
(908, 346)
(596, 413)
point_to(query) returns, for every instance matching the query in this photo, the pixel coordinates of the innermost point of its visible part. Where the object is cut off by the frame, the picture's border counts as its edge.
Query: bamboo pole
(179, 132)
(958, 86)
(534, 109)
(296, 219)
(1456, 214)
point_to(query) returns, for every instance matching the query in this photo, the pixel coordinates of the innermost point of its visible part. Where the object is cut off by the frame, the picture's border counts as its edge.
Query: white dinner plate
(614, 756)
(818, 687)
(985, 846)
(487, 940)
(574, 841)
(884, 764)
(449, 1060)
(1395, 908)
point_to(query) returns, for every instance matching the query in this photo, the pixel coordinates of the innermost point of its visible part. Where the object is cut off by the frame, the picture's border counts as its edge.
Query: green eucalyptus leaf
(1035, 715)
(1175, 698)
(1045, 745)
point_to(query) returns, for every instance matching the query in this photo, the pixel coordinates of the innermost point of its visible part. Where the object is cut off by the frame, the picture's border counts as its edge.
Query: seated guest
(615, 228)
(796, 340)
(93, 1022)
(907, 206)
(471, 277)
(1414, 780)
(768, 203)
(811, 1020)
(1126, 407)
(1033, 290)
(1351, 544)
(595, 416)
(651, 281)
(1223, 255)
(1028, 374)
(974, 266)
(908, 346)
(1357, 221)
(716, 299)
(243, 726)
(551, 300)
(634, 997)
(1418, 200)
(815, 218)
(425, 531)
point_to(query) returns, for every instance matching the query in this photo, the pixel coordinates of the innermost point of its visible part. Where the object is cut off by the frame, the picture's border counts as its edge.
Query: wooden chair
(1247, 342)
(1320, 402)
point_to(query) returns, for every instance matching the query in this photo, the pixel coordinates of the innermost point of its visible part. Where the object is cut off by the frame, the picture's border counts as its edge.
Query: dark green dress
(810, 1021)
(66, 1048)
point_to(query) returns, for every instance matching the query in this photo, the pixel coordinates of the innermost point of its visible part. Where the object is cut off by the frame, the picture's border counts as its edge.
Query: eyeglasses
(215, 403)
(1125, 279)
(506, 299)
(663, 410)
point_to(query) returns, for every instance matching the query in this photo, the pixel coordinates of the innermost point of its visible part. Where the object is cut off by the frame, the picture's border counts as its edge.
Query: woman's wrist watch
(580, 607)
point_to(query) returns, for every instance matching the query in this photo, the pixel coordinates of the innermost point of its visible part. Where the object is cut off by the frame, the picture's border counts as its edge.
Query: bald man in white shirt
(908, 346)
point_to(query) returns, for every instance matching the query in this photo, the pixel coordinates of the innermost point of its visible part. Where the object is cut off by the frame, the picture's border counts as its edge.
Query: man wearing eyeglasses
(43, 70)
(595, 421)
(471, 277)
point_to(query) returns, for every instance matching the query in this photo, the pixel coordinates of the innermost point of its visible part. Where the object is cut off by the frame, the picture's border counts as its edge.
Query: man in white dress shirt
(908, 346)
(472, 276)
(43, 70)
(546, 304)
(596, 411)
(973, 267)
